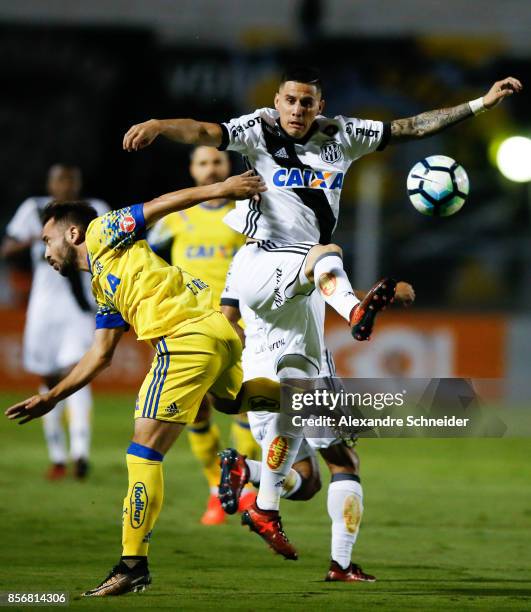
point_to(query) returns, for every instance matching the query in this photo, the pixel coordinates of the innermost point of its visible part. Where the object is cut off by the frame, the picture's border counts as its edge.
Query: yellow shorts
(202, 356)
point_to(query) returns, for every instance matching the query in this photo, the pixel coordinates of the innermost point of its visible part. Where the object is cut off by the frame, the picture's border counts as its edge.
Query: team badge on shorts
(331, 151)
(128, 224)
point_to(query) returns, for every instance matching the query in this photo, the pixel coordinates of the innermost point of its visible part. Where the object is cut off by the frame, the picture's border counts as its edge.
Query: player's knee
(309, 488)
(341, 458)
(227, 406)
(333, 249)
(308, 470)
(296, 366)
(318, 252)
(203, 414)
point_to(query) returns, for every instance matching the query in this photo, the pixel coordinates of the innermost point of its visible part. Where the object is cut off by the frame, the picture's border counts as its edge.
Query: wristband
(477, 106)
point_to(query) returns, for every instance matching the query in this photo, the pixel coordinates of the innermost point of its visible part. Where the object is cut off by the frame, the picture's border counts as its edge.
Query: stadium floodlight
(514, 159)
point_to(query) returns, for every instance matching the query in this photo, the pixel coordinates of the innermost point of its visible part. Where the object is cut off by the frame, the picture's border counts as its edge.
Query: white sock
(79, 407)
(279, 452)
(345, 508)
(54, 433)
(333, 284)
(255, 469)
(292, 482)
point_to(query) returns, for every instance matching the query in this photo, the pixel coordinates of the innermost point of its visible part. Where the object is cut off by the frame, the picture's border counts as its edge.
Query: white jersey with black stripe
(52, 295)
(304, 177)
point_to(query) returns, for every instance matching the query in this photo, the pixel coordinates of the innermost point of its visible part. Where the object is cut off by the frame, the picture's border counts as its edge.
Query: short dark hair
(302, 74)
(77, 213)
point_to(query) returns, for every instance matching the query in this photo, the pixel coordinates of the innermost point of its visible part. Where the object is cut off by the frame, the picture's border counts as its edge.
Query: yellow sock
(204, 440)
(143, 501)
(260, 394)
(242, 437)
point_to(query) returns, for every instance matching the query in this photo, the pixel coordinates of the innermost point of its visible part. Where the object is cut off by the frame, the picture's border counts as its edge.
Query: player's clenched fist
(500, 90)
(243, 186)
(404, 293)
(141, 135)
(31, 408)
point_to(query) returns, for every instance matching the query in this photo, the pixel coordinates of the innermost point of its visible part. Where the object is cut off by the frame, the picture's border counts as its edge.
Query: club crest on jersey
(331, 152)
(314, 179)
(127, 224)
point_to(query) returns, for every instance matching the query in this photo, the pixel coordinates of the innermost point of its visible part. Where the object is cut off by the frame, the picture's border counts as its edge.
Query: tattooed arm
(432, 122)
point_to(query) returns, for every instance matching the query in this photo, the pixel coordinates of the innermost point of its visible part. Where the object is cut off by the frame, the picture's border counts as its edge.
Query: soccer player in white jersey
(302, 156)
(302, 482)
(59, 321)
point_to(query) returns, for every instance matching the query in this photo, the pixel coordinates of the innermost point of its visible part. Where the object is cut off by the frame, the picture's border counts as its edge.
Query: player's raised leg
(324, 267)
(142, 504)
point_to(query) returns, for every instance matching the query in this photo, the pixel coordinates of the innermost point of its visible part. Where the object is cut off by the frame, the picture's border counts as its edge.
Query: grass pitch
(447, 526)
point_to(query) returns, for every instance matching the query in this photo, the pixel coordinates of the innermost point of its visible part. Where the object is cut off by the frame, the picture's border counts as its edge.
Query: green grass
(446, 527)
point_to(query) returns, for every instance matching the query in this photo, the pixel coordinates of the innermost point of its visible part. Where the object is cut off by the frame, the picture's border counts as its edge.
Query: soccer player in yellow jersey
(197, 349)
(204, 246)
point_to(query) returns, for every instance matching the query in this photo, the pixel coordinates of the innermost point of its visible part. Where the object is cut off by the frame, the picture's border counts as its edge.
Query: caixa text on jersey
(315, 179)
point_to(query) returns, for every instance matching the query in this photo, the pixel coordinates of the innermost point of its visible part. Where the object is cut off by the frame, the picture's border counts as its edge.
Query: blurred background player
(203, 245)
(59, 320)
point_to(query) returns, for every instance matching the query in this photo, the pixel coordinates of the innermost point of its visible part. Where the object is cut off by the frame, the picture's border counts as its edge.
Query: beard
(69, 264)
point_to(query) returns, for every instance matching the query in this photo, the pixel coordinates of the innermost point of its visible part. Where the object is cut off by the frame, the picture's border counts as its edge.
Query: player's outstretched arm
(432, 122)
(237, 187)
(186, 131)
(96, 359)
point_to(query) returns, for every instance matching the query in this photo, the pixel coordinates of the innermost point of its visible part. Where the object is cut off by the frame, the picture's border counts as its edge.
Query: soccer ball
(437, 186)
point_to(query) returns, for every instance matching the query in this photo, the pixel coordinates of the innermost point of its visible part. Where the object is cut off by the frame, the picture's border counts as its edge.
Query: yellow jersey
(133, 286)
(200, 243)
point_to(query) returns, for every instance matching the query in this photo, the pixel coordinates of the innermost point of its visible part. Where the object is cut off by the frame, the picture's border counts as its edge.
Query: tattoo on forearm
(428, 123)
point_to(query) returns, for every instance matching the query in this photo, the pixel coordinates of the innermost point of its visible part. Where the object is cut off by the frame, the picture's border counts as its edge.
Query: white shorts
(51, 346)
(258, 362)
(270, 280)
